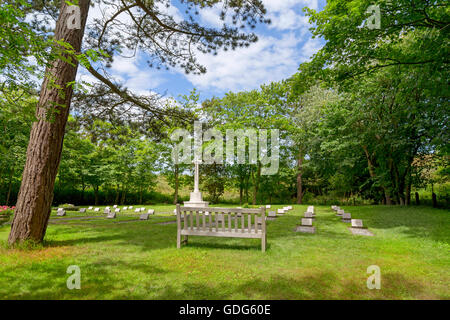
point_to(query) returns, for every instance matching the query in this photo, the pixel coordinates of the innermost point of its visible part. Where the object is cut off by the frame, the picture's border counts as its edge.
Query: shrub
(5, 214)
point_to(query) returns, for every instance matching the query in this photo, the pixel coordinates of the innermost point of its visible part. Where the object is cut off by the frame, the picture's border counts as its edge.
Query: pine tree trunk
(46, 137)
(300, 178)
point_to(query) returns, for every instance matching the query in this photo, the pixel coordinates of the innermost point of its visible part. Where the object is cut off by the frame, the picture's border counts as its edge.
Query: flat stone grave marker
(280, 211)
(137, 210)
(130, 207)
(125, 208)
(107, 210)
(90, 208)
(357, 223)
(268, 206)
(117, 210)
(306, 229)
(309, 215)
(96, 209)
(272, 214)
(61, 212)
(346, 217)
(144, 216)
(340, 212)
(115, 206)
(151, 211)
(111, 215)
(361, 232)
(82, 210)
(307, 222)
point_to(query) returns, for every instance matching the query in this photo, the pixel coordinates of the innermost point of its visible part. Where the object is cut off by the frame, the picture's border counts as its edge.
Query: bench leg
(178, 240)
(263, 243)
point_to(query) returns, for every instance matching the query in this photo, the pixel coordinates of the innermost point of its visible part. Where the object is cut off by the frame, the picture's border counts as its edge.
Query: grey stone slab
(357, 223)
(307, 222)
(309, 215)
(144, 216)
(111, 215)
(272, 214)
(305, 229)
(361, 232)
(346, 217)
(61, 213)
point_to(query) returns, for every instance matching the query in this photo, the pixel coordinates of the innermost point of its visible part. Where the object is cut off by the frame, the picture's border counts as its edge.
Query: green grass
(139, 260)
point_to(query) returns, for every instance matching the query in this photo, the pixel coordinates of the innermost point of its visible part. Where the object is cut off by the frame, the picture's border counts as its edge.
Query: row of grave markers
(357, 227)
(112, 214)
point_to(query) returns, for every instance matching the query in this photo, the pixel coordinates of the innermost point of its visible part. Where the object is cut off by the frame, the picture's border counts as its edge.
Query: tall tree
(167, 42)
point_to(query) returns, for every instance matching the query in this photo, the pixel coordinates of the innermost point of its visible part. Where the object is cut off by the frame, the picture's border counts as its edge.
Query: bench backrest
(212, 219)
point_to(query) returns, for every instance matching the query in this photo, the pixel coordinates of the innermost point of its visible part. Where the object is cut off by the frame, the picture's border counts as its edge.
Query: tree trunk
(177, 184)
(241, 194)
(8, 195)
(96, 195)
(116, 200)
(256, 185)
(434, 199)
(300, 178)
(417, 199)
(46, 137)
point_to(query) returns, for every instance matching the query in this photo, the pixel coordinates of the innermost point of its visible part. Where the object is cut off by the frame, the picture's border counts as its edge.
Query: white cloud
(276, 55)
(270, 59)
(288, 14)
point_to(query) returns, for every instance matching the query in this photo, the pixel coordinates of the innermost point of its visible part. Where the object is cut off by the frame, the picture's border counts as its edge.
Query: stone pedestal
(196, 200)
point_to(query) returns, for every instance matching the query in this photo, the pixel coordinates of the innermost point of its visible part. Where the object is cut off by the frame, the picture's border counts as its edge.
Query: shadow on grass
(413, 221)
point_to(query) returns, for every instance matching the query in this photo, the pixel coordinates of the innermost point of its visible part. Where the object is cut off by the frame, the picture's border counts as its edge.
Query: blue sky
(282, 46)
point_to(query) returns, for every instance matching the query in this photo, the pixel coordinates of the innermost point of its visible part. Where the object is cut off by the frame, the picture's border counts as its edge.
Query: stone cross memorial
(196, 199)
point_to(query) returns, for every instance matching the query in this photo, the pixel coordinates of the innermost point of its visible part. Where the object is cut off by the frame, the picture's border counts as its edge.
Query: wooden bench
(221, 222)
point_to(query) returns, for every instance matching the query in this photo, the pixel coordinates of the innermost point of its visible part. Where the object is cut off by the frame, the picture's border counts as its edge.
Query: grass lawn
(126, 259)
